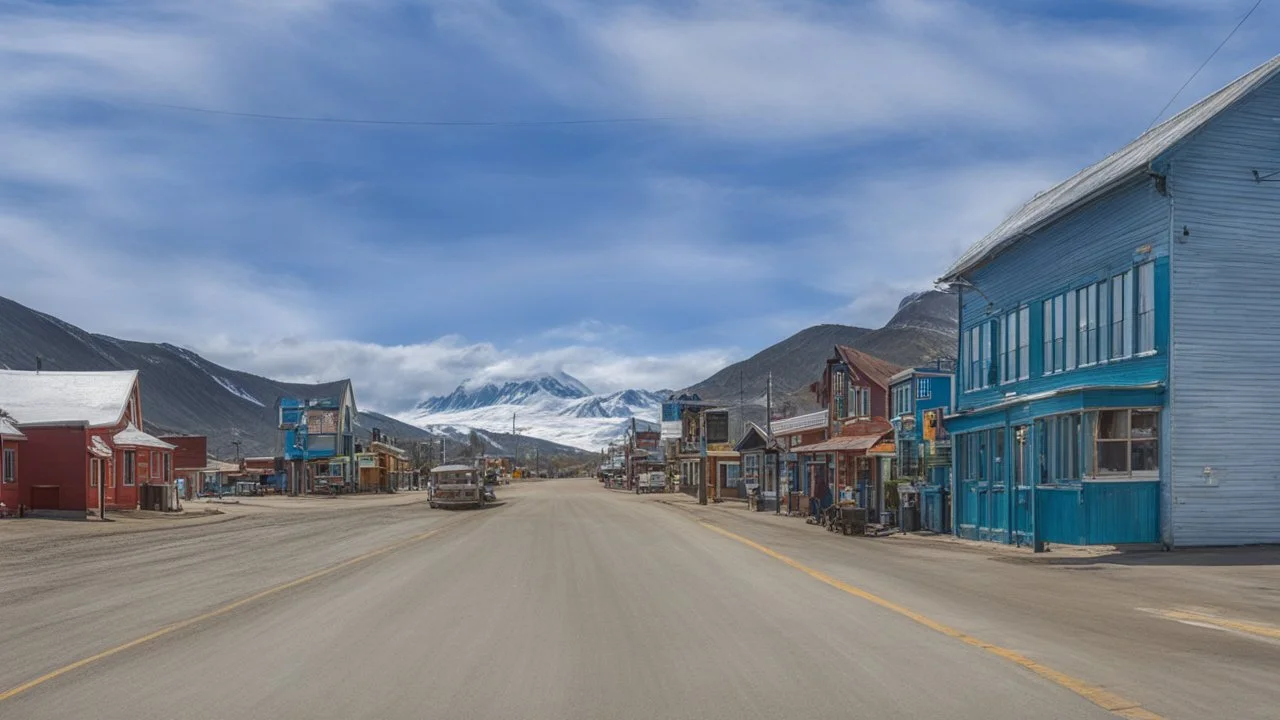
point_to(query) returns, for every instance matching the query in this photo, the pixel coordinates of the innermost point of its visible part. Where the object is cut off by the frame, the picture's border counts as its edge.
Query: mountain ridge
(185, 394)
(923, 329)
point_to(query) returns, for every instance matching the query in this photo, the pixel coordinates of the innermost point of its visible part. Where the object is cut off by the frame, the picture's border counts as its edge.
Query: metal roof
(66, 398)
(1099, 178)
(843, 443)
(800, 423)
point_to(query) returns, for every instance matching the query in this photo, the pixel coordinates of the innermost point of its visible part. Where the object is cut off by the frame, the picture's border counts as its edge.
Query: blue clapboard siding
(1059, 515)
(1099, 513)
(1121, 512)
(1086, 246)
(1226, 329)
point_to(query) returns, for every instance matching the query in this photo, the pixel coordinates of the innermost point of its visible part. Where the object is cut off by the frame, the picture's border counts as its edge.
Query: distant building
(1118, 342)
(919, 399)
(854, 392)
(319, 444)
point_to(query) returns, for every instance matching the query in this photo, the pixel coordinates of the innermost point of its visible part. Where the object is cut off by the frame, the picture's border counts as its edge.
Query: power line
(411, 123)
(1203, 64)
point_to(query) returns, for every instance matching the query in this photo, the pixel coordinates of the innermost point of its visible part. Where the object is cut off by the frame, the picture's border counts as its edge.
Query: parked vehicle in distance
(457, 486)
(651, 482)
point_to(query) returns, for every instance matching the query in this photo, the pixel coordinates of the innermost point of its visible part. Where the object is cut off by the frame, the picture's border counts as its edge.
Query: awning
(843, 443)
(98, 447)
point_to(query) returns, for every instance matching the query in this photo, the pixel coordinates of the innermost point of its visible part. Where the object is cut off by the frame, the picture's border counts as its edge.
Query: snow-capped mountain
(555, 407)
(469, 395)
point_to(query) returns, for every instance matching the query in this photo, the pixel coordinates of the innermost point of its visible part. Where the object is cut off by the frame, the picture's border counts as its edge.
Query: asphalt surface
(570, 601)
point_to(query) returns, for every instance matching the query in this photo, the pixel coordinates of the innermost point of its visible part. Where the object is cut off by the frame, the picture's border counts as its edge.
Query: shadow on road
(1250, 555)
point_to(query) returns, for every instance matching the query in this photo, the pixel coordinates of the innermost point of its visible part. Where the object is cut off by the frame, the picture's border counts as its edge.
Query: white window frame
(9, 466)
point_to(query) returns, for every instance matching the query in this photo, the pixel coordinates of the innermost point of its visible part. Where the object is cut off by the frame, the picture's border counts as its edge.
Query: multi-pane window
(1015, 346)
(1128, 442)
(155, 465)
(94, 471)
(864, 403)
(923, 391)
(9, 471)
(1059, 345)
(1009, 348)
(981, 356)
(168, 468)
(901, 399)
(1024, 343)
(1087, 313)
(1121, 310)
(1145, 320)
(130, 467)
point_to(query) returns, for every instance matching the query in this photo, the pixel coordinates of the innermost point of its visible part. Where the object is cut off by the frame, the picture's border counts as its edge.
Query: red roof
(877, 371)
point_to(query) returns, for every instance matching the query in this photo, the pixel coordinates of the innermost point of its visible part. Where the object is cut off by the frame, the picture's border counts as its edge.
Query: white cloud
(393, 379)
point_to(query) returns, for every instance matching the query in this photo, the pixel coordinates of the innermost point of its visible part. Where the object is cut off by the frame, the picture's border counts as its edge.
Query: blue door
(1023, 522)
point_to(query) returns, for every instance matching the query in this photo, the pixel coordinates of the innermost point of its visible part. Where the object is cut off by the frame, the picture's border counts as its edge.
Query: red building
(854, 392)
(82, 439)
(10, 440)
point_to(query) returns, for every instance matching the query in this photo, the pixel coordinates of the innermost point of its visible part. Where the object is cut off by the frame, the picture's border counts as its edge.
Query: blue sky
(809, 162)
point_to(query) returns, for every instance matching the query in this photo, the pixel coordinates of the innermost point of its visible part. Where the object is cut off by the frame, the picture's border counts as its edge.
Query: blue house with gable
(919, 399)
(1119, 339)
(318, 437)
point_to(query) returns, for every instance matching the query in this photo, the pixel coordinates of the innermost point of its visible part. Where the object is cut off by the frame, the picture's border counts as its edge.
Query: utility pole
(237, 444)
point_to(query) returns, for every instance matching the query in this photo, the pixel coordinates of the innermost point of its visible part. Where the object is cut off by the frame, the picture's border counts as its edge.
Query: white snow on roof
(98, 447)
(133, 437)
(51, 398)
(8, 430)
(1103, 176)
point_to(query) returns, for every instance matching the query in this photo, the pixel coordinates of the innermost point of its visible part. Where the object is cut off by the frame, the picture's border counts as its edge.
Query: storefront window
(1128, 442)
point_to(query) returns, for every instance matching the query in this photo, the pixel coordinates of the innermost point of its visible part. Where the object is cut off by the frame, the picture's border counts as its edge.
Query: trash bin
(910, 521)
(886, 518)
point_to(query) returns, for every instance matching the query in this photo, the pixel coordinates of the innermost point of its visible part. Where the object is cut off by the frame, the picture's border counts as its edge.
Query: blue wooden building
(919, 399)
(1119, 340)
(318, 438)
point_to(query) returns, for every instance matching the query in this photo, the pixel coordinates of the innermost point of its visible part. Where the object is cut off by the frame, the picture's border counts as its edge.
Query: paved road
(570, 601)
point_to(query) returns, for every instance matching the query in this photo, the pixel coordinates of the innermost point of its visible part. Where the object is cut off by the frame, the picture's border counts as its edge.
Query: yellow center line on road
(1264, 631)
(1105, 699)
(223, 610)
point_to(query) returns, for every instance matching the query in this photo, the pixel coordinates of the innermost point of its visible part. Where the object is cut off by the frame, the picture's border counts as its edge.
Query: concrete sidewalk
(1054, 554)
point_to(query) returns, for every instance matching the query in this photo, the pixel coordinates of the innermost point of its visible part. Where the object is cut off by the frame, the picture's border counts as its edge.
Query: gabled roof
(755, 438)
(1130, 161)
(877, 371)
(97, 399)
(800, 423)
(9, 431)
(133, 437)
